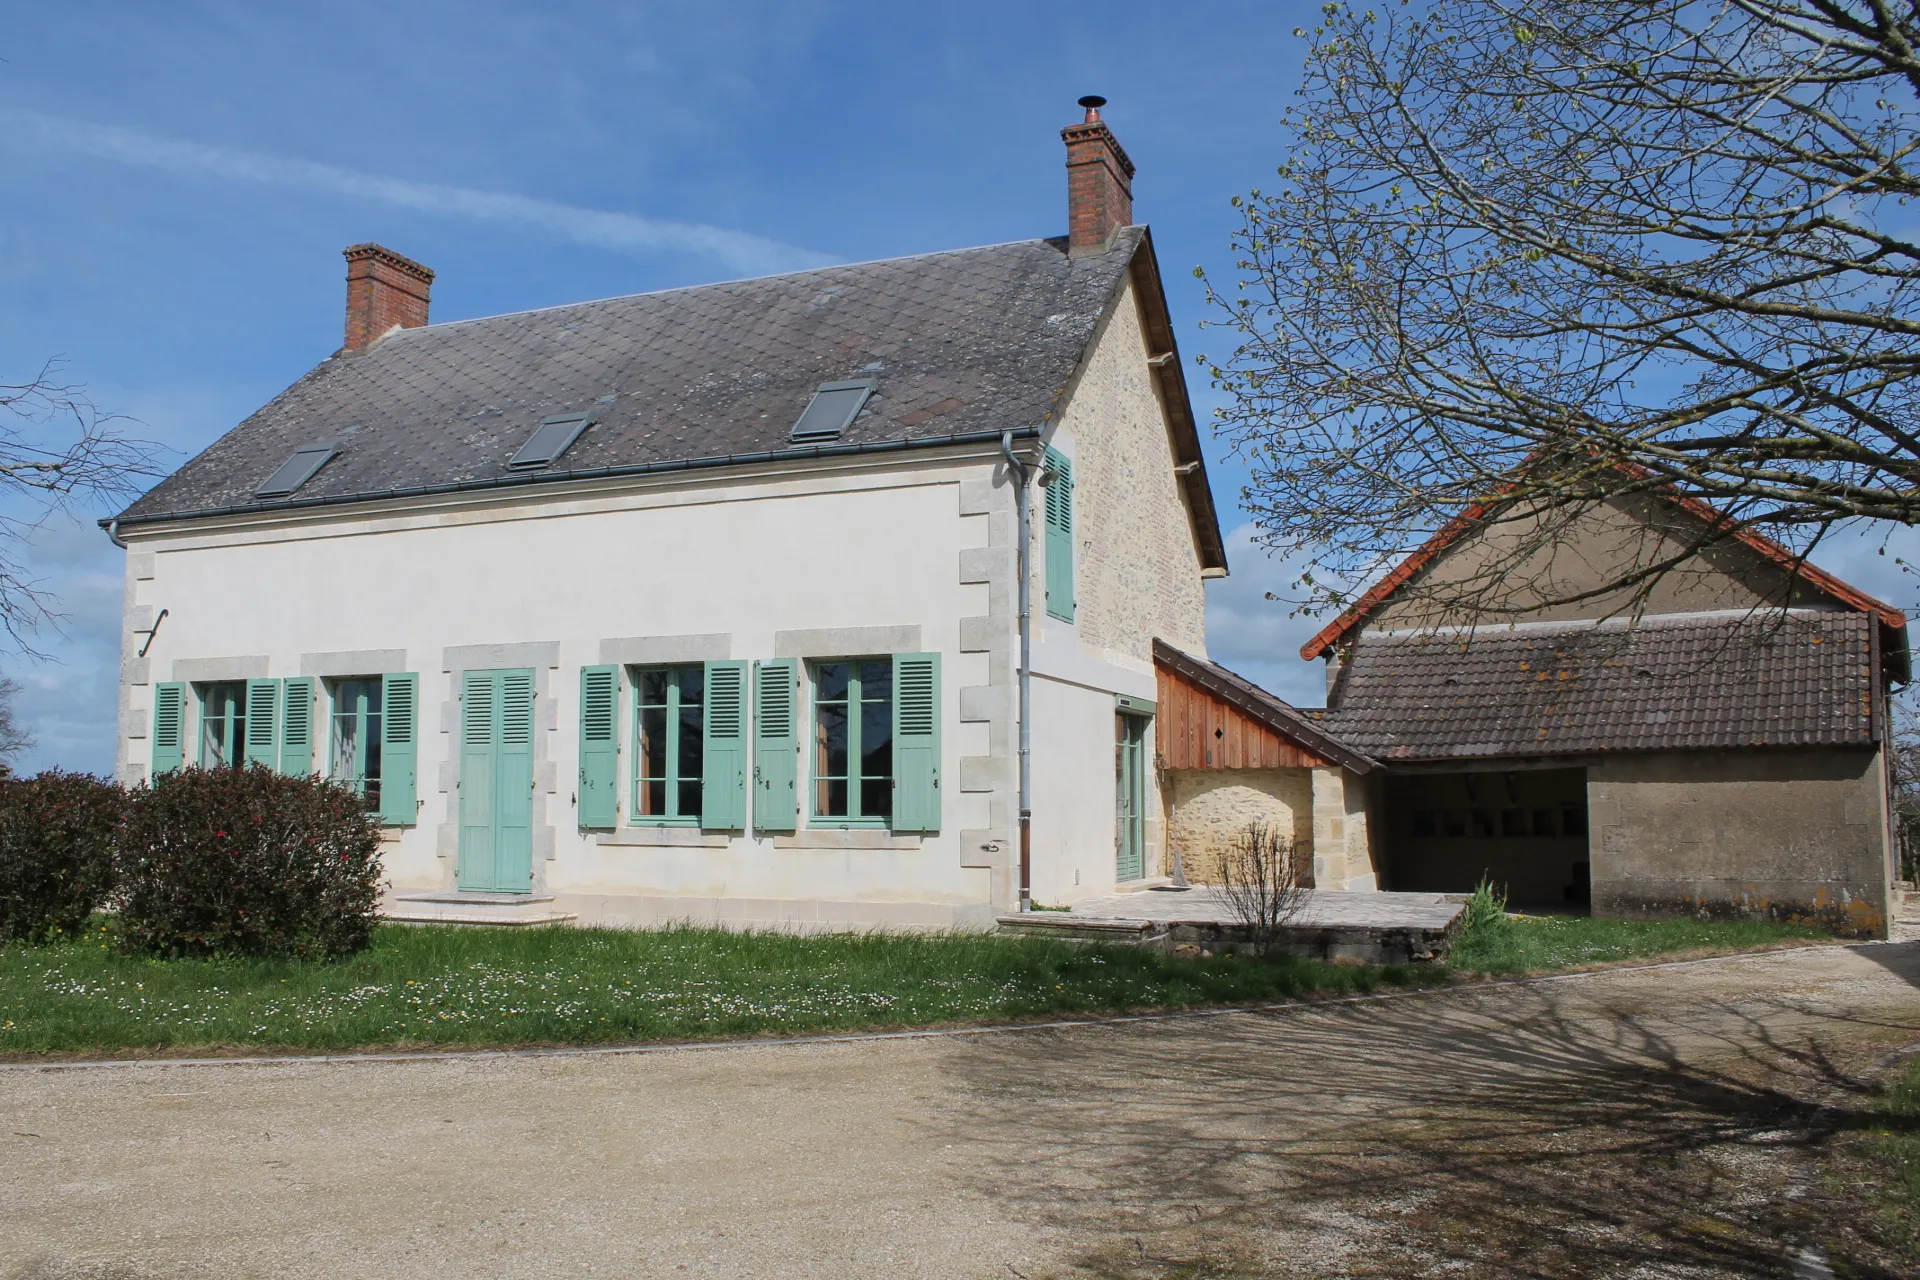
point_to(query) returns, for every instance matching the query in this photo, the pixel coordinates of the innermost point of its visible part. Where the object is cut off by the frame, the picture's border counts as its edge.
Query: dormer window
(555, 436)
(296, 471)
(832, 410)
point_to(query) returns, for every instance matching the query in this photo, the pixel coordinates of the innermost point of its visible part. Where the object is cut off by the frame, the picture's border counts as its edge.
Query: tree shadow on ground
(1490, 1133)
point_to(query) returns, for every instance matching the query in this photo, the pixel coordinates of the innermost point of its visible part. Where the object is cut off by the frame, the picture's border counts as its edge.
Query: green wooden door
(496, 781)
(1130, 796)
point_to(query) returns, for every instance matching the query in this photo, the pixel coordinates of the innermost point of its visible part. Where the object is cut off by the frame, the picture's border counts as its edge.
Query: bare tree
(1906, 784)
(13, 737)
(1525, 259)
(1263, 881)
(57, 453)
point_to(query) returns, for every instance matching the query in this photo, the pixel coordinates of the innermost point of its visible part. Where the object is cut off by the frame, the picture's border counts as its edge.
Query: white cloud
(1253, 635)
(751, 254)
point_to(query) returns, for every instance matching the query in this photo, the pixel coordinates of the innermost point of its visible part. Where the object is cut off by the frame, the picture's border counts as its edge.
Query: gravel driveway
(1651, 1122)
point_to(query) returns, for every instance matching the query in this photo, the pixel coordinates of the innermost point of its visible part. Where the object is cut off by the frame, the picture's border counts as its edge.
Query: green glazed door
(1130, 797)
(496, 781)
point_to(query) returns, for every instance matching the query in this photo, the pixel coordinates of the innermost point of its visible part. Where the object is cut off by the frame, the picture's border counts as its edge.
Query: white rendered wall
(739, 558)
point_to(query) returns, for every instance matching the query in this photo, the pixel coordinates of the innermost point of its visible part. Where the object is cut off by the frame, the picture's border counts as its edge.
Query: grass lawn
(467, 987)
(1534, 944)
(1893, 1146)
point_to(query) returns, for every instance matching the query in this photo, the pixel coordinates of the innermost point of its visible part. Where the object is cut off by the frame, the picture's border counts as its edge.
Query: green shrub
(248, 862)
(1486, 910)
(57, 834)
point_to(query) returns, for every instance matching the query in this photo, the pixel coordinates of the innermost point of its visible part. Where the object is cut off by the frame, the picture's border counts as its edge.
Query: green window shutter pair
(916, 743)
(279, 723)
(1059, 543)
(724, 778)
(399, 749)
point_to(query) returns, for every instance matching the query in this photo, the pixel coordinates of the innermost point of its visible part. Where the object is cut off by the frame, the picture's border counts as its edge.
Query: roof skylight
(296, 471)
(832, 410)
(554, 437)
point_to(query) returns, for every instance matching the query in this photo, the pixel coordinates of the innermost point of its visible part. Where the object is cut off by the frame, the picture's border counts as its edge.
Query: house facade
(706, 604)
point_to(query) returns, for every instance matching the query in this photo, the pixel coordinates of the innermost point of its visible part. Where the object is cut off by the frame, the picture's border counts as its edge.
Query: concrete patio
(1378, 928)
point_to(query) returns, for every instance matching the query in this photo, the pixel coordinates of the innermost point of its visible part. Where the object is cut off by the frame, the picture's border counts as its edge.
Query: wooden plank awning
(1210, 718)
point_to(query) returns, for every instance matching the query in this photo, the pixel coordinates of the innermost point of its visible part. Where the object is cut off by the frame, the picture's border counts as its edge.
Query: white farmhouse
(707, 604)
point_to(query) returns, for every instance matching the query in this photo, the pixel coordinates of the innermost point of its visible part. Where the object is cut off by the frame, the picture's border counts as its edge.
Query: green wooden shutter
(169, 728)
(776, 745)
(296, 726)
(723, 794)
(515, 850)
(479, 734)
(916, 742)
(263, 732)
(400, 749)
(599, 746)
(1059, 549)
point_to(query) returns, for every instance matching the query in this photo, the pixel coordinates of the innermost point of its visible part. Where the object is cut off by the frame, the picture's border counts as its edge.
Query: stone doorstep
(491, 922)
(509, 910)
(473, 898)
(1146, 885)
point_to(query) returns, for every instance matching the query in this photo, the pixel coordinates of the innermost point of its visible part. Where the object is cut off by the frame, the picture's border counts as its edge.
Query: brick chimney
(384, 291)
(1099, 182)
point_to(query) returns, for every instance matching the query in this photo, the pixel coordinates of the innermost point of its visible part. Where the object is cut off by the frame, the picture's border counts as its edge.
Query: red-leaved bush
(248, 862)
(57, 835)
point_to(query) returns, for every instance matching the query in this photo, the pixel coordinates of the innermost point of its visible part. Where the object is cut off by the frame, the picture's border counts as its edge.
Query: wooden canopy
(1210, 718)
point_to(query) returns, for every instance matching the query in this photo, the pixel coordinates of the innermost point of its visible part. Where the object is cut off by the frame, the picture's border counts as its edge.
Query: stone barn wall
(1795, 835)
(1213, 806)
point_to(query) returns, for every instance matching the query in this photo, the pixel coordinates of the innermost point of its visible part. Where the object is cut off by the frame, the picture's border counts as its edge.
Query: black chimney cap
(1093, 102)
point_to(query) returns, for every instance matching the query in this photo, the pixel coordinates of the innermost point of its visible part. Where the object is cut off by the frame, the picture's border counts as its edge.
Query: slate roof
(967, 342)
(1688, 682)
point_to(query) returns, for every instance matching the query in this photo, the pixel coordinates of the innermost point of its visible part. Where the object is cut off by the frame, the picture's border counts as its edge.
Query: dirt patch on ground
(1658, 1122)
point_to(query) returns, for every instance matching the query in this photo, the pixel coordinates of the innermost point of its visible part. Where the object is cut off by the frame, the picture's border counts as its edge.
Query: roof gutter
(113, 524)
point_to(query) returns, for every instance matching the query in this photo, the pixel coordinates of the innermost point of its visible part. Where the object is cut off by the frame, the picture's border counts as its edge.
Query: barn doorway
(1523, 830)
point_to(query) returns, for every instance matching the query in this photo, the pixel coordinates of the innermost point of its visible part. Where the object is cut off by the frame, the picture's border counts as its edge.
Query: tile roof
(969, 341)
(1686, 682)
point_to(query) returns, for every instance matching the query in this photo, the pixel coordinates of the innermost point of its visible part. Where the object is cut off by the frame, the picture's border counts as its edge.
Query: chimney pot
(384, 291)
(1099, 182)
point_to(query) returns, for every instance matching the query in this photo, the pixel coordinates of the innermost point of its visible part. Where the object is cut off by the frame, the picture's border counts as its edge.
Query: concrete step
(1147, 885)
(1064, 924)
(498, 910)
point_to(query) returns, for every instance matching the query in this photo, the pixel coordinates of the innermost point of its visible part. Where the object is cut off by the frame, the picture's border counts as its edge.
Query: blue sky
(181, 179)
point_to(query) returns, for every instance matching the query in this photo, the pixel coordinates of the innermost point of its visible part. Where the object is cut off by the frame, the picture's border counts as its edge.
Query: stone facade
(1212, 807)
(1344, 807)
(1138, 572)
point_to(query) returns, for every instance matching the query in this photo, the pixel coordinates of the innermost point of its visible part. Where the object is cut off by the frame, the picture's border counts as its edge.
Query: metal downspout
(113, 533)
(1024, 542)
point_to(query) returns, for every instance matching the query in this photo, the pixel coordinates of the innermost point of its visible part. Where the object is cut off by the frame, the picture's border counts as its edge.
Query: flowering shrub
(248, 862)
(57, 833)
